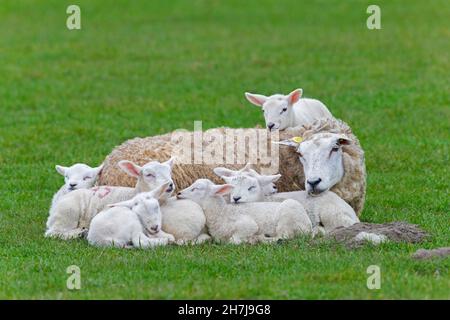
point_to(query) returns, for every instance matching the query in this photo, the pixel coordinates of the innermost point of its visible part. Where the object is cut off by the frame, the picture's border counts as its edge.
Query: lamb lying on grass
(132, 223)
(78, 176)
(248, 222)
(327, 211)
(72, 214)
(281, 112)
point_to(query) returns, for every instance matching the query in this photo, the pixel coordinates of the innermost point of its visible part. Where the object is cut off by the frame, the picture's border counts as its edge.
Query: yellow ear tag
(297, 139)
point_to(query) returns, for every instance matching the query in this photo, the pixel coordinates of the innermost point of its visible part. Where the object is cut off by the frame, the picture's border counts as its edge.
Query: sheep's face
(267, 188)
(277, 109)
(153, 174)
(249, 188)
(78, 176)
(202, 189)
(322, 161)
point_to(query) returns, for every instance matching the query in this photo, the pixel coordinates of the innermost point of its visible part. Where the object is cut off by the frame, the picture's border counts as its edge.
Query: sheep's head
(278, 108)
(322, 159)
(78, 176)
(267, 188)
(248, 185)
(201, 189)
(152, 174)
(146, 206)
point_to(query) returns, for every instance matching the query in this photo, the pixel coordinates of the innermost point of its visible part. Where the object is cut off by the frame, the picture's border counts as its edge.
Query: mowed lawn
(140, 68)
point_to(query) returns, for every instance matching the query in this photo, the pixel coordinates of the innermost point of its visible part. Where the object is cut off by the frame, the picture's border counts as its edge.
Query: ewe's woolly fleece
(352, 188)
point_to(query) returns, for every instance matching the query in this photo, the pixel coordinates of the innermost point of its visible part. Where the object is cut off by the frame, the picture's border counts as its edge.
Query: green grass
(140, 68)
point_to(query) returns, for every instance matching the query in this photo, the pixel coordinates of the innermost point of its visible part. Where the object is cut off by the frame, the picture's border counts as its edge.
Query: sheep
(77, 176)
(351, 187)
(286, 111)
(71, 215)
(326, 211)
(248, 222)
(134, 223)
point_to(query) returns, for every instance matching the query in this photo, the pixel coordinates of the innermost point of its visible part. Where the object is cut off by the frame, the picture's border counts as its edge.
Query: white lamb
(287, 111)
(72, 214)
(132, 223)
(77, 176)
(327, 210)
(248, 222)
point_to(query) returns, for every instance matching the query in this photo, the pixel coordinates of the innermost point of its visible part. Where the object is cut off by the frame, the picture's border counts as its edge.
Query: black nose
(236, 199)
(154, 228)
(314, 182)
(270, 125)
(179, 194)
(73, 185)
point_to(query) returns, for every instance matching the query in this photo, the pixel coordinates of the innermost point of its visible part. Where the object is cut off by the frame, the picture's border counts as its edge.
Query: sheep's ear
(288, 143)
(256, 99)
(224, 172)
(159, 191)
(294, 96)
(61, 170)
(222, 190)
(246, 168)
(170, 162)
(343, 140)
(130, 168)
(264, 180)
(127, 204)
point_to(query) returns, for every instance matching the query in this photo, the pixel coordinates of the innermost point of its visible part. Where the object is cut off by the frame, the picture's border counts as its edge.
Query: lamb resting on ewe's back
(289, 111)
(346, 169)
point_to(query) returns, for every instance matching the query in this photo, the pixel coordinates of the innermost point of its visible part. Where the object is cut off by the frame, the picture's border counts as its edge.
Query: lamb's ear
(224, 172)
(294, 96)
(97, 170)
(256, 99)
(159, 191)
(61, 170)
(170, 162)
(264, 180)
(221, 190)
(130, 168)
(343, 140)
(128, 204)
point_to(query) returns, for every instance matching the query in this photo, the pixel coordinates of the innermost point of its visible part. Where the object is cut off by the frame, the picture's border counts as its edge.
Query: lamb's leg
(168, 236)
(202, 238)
(293, 220)
(332, 220)
(245, 229)
(63, 222)
(66, 234)
(140, 240)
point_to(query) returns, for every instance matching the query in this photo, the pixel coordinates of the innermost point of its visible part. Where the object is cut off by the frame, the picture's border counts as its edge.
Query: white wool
(288, 111)
(373, 238)
(249, 222)
(131, 223)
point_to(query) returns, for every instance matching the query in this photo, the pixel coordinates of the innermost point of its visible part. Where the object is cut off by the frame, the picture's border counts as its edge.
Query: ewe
(78, 176)
(132, 223)
(287, 111)
(351, 188)
(248, 222)
(72, 214)
(327, 211)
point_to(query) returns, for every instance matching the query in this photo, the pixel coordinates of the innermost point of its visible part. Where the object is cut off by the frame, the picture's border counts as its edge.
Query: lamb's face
(78, 176)
(197, 192)
(155, 174)
(277, 109)
(322, 161)
(148, 210)
(245, 189)
(201, 189)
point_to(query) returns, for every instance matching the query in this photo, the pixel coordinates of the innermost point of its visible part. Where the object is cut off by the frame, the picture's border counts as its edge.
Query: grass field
(140, 68)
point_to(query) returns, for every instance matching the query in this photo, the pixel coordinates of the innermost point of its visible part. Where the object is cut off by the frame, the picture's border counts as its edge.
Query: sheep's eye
(150, 175)
(193, 189)
(136, 204)
(251, 188)
(86, 178)
(283, 110)
(334, 149)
